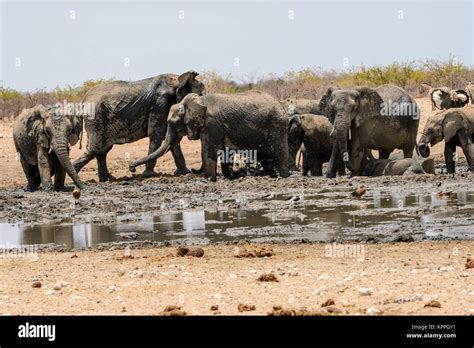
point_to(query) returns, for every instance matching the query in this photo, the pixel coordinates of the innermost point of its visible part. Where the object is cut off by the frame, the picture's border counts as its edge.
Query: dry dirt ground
(401, 277)
(391, 278)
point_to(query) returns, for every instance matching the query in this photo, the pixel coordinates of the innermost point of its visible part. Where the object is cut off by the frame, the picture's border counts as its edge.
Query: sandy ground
(391, 278)
(402, 277)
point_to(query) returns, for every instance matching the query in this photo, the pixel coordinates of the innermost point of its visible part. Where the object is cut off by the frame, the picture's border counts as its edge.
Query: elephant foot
(199, 171)
(108, 177)
(48, 188)
(60, 188)
(149, 174)
(181, 171)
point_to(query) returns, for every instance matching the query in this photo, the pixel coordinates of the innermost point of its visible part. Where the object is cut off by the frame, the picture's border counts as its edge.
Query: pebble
(316, 292)
(196, 252)
(111, 289)
(36, 285)
(323, 276)
(446, 269)
(365, 291)
(373, 311)
(433, 303)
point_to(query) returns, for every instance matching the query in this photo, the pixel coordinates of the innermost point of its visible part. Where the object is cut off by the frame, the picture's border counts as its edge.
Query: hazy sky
(56, 43)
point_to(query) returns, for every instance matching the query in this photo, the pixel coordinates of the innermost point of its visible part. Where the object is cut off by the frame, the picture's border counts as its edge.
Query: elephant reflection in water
(81, 236)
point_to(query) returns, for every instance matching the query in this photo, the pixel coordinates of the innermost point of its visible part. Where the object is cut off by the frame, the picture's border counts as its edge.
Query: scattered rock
(264, 252)
(365, 291)
(433, 303)
(323, 276)
(173, 311)
(74, 256)
(196, 252)
(267, 277)
(470, 263)
(405, 238)
(36, 285)
(333, 309)
(372, 311)
(328, 302)
(182, 251)
(214, 307)
(57, 287)
(279, 311)
(246, 307)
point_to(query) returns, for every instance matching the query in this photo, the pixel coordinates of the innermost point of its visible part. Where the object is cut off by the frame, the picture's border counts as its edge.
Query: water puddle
(318, 217)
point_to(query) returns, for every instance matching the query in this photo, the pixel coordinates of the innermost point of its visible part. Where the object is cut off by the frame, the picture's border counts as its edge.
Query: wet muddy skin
(190, 210)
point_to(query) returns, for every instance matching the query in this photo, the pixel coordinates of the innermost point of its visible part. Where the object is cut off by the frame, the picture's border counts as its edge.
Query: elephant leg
(316, 167)
(384, 154)
(85, 158)
(32, 175)
(209, 158)
(467, 148)
(104, 174)
(59, 174)
(44, 167)
(408, 151)
(155, 143)
(305, 162)
(450, 155)
(179, 160)
(282, 156)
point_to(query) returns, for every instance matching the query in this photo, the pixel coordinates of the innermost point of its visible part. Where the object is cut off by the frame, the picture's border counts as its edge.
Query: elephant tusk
(350, 135)
(332, 131)
(50, 150)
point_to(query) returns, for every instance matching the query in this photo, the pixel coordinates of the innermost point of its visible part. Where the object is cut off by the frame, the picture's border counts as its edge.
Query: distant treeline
(307, 83)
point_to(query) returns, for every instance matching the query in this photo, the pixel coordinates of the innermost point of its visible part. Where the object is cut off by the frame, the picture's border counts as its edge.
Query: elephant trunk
(340, 132)
(170, 139)
(60, 146)
(423, 149)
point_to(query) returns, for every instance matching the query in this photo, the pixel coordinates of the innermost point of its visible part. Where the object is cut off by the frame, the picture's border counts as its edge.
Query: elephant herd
(341, 128)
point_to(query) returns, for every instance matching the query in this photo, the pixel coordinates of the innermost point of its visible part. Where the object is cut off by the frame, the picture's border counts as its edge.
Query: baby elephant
(387, 167)
(314, 132)
(42, 137)
(456, 128)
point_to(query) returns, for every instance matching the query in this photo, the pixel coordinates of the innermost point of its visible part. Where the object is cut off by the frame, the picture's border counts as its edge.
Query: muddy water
(317, 217)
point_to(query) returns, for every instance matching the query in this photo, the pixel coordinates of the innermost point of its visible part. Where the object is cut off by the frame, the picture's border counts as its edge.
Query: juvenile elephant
(301, 106)
(456, 128)
(253, 122)
(42, 136)
(387, 167)
(128, 111)
(363, 118)
(313, 131)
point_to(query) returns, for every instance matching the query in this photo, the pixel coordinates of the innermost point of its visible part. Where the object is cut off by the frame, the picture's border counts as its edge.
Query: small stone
(332, 309)
(316, 292)
(433, 303)
(446, 269)
(470, 263)
(196, 252)
(246, 307)
(214, 307)
(323, 276)
(74, 256)
(365, 291)
(328, 302)
(173, 311)
(181, 251)
(50, 292)
(111, 289)
(267, 277)
(36, 285)
(57, 287)
(372, 311)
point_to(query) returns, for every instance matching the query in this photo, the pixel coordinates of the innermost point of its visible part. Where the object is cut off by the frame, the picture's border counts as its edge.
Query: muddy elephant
(456, 128)
(42, 137)
(389, 167)
(301, 106)
(252, 123)
(313, 132)
(128, 111)
(384, 119)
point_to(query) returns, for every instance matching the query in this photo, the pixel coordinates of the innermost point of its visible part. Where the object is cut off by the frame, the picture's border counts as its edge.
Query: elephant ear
(187, 83)
(35, 126)
(452, 123)
(369, 103)
(324, 103)
(76, 133)
(294, 126)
